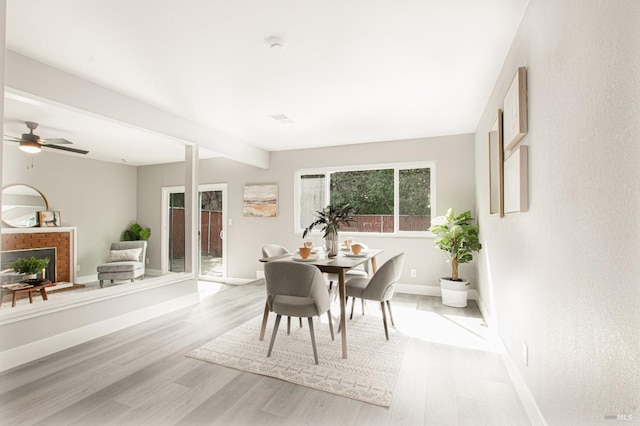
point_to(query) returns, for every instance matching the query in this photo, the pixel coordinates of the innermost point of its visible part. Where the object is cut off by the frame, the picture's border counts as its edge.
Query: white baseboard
(428, 290)
(87, 279)
(528, 401)
(38, 349)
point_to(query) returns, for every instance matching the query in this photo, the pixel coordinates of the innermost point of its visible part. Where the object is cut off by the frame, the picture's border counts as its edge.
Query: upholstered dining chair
(379, 287)
(361, 271)
(298, 290)
(271, 250)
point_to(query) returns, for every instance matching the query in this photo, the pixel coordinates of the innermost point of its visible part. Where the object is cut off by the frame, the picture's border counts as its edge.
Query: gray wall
(453, 156)
(97, 197)
(564, 276)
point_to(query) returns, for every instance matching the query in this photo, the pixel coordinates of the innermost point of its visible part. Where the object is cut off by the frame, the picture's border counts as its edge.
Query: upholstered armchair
(126, 262)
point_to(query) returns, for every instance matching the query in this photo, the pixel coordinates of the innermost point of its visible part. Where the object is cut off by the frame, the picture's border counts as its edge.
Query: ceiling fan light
(30, 147)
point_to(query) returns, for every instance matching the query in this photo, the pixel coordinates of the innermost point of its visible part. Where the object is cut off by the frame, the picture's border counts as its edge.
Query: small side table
(19, 288)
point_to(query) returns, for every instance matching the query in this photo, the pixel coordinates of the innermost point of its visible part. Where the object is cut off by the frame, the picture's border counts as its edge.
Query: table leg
(30, 296)
(43, 292)
(15, 298)
(343, 312)
(374, 265)
(264, 321)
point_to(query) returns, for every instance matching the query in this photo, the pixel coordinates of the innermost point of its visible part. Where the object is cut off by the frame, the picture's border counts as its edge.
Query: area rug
(369, 374)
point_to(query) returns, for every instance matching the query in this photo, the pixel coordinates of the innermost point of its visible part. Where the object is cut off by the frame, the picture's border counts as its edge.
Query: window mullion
(396, 200)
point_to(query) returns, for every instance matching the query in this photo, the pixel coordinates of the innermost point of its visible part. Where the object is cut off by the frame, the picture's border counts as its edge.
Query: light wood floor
(451, 375)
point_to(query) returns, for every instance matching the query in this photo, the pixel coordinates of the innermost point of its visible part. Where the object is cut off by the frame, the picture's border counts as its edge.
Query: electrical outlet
(414, 273)
(525, 354)
(77, 268)
(147, 260)
(230, 222)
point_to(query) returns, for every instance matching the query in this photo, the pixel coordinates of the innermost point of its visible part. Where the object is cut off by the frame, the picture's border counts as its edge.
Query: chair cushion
(294, 306)
(356, 286)
(124, 255)
(127, 266)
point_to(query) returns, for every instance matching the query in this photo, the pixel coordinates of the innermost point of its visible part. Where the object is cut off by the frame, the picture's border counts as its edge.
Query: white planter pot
(454, 293)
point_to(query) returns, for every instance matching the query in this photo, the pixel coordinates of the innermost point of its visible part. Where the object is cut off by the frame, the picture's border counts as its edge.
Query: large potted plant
(330, 218)
(457, 237)
(30, 267)
(135, 232)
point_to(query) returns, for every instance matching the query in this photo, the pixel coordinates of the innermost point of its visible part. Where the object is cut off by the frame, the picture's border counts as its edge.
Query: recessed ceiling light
(282, 119)
(276, 42)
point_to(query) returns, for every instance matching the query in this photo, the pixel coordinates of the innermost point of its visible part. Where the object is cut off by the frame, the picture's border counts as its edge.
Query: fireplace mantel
(29, 238)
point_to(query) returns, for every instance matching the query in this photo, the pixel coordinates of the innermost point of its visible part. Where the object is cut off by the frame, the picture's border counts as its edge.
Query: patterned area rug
(369, 374)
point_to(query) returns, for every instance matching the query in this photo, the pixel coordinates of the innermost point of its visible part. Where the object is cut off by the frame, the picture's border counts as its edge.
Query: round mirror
(21, 204)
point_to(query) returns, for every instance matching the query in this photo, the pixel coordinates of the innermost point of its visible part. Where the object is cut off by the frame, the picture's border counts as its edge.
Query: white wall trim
(38, 349)
(428, 290)
(528, 401)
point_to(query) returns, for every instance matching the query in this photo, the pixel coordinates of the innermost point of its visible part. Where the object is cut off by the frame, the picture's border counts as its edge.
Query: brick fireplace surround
(63, 239)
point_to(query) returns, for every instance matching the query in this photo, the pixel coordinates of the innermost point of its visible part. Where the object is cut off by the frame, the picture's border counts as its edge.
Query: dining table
(338, 265)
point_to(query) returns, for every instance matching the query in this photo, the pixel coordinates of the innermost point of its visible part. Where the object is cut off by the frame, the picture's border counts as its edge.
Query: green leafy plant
(29, 266)
(457, 237)
(330, 218)
(135, 233)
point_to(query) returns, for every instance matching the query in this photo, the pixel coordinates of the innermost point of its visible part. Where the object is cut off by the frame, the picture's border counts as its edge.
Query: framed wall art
(515, 110)
(49, 219)
(260, 200)
(496, 170)
(516, 181)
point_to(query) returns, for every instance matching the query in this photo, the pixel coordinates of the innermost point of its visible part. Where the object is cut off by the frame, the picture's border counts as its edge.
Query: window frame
(397, 167)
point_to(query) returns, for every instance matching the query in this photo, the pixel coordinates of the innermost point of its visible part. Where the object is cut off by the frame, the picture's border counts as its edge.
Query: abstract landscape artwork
(260, 200)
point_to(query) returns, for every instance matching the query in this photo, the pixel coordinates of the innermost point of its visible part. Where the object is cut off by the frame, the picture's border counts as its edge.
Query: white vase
(454, 293)
(331, 245)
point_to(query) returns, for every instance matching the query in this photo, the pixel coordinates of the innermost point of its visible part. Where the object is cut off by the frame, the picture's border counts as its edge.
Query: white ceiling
(352, 71)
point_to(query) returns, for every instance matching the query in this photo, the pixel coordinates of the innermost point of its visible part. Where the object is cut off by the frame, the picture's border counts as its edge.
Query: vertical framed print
(515, 110)
(516, 182)
(496, 169)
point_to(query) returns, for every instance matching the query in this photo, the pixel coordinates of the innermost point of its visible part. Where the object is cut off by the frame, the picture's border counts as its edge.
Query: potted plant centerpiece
(330, 218)
(30, 267)
(457, 237)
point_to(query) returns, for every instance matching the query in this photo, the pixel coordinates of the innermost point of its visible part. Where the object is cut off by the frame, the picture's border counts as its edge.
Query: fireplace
(11, 256)
(61, 240)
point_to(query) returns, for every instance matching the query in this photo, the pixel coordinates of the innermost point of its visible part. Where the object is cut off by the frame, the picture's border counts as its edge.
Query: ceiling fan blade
(56, 141)
(11, 138)
(66, 148)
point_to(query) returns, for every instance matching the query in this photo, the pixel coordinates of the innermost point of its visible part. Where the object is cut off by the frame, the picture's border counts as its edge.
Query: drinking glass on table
(308, 242)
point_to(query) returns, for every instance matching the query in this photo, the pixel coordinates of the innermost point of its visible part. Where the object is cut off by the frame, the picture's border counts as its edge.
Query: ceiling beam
(42, 82)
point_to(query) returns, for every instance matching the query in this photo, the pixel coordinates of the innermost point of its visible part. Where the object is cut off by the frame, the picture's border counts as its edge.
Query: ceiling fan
(32, 143)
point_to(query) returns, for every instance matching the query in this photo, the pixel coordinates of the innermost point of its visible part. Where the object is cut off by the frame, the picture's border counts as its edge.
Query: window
(387, 199)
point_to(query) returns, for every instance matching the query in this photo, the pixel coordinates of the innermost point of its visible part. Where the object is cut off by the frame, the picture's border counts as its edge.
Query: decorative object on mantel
(260, 200)
(31, 267)
(49, 219)
(370, 374)
(496, 169)
(515, 110)
(136, 233)
(21, 204)
(330, 218)
(516, 182)
(458, 238)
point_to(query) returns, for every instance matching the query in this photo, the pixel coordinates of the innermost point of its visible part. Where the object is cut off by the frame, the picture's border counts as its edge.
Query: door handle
(222, 235)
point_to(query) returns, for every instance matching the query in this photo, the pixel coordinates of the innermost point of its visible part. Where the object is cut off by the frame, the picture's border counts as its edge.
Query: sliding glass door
(211, 231)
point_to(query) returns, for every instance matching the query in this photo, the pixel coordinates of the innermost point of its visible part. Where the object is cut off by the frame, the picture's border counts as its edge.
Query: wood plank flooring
(451, 375)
